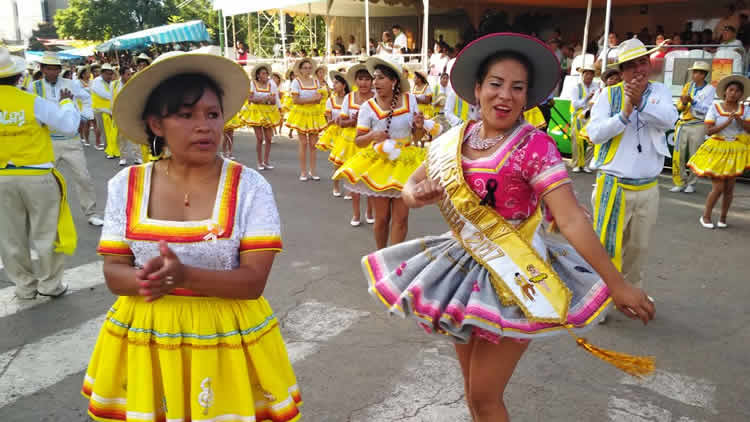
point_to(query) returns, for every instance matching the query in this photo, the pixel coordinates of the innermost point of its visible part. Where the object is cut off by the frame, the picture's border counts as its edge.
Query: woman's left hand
(161, 274)
(633, 302)
(419, 121)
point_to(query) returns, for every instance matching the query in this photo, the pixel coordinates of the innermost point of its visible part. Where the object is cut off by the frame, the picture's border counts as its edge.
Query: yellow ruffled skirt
(345, 147)
(306, 118)
(234, 123)
(377, 172)
(262, 115)
(191, 358)
(720, 158)
(286, 103)
(329, 138)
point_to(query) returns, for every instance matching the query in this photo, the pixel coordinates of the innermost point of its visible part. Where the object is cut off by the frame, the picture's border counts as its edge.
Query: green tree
(308, 35)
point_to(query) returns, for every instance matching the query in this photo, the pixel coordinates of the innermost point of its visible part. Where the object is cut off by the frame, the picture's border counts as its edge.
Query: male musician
(101, 99)
(580, 104)
(627, 126)
(33, 210)
(690, 131)
(68, 148)
(458, 110)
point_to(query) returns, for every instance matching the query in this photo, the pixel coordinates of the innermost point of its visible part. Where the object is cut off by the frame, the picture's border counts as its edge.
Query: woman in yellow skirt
(264, 112)
(387, 124)
(423, 93)
(306, 117)
(725, 154)
(286, 97)
(334, 105)
(278, 79)
(188, 243)
(345, 147)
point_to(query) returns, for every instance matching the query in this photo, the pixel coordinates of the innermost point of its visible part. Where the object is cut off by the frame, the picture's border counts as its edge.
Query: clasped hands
(161, 274)
(634, 90)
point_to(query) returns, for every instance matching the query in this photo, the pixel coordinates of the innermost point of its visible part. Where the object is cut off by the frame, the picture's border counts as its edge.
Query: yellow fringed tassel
(637, 366)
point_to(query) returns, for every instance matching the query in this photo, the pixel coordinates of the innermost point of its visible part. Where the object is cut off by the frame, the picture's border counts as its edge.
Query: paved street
(355, 363)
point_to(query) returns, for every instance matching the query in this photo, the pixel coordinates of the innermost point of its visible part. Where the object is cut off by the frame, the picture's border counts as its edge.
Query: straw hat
(81, 69)
(372, 62)
(721, 88)
(106, 66)
(129, 105)
(10, 65)
(701, 66)
(321, 66)
(332, 75)
(303, 60)
(143, 56)
(588, 67)
(544, 64)
(96, 64)
(422, 74)
(257, 68)
(632, 49)
(351, 74)
(277, 74)
(50, 58)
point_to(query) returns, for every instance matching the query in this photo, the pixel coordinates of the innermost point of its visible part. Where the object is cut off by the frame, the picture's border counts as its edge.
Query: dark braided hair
(391, 74)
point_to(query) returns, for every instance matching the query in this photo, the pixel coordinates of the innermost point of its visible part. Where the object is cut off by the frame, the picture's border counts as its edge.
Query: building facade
(18, 18)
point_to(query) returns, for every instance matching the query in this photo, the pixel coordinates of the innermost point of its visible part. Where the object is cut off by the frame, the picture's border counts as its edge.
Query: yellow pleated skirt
(286, 103)
(191, 358)
(720, 158)
(379, 173)
(262, 115)
(328, 138)
(344, 148)
(306, 118)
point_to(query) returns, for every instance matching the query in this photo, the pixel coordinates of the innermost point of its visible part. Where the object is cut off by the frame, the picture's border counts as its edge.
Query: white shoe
(348, 197)
(268, 166)
(576, 169)
(316, 178)
(587, 170)
(123, 163)
(303, 178)
(138, 161)
(99, 147)
(690, 189)
(260, 167)
(677, 189)
(110, 157)
(369, 219)
(336, 194)
(59, 292)
(721, 225)
(355, 223)
(708, 225)
(96, 221)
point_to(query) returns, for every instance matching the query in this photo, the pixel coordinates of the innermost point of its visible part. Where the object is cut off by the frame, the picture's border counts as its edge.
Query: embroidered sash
(604, 153)
(515, 257)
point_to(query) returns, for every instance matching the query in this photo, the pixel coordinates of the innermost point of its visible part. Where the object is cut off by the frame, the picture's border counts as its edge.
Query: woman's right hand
(317, 97)
(633, 302)
(426, 192)
(378, 136)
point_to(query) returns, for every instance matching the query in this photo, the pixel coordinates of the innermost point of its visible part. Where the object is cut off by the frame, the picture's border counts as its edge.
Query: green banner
(559, 127)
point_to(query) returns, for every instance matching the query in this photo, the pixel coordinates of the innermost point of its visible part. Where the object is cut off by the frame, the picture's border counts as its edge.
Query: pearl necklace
(482, 144)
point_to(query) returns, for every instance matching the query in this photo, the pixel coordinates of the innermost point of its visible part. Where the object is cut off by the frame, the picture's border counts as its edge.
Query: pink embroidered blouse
(533, 169)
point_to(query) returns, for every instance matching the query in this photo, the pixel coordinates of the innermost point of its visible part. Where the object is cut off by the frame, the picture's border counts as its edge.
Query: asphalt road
(356, 363)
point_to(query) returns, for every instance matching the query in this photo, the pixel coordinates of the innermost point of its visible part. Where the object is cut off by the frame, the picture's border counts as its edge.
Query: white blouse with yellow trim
(245, 219)
(372, 117)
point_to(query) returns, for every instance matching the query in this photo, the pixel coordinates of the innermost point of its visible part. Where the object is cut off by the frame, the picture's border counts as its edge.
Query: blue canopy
(35, 56)
(193, 31)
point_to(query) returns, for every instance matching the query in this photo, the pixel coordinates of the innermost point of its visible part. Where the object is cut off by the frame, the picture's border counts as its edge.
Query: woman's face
(306, 69)
(320, 74)
(444, 79)
(276, 80)
(364, 83)
(732, 93)
(503, 94)
(194, 133)
(263, 76)
(338, 87)
(384, 85)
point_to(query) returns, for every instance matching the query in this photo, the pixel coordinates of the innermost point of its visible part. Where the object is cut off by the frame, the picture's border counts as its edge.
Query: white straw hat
(721, 87)
(372, 62)
(10, 65)
(130, 103)
(50, 58)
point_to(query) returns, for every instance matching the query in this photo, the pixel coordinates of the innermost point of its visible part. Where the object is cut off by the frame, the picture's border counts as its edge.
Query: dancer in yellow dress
(725, 154)
(306, 117)
(188, 244)
(263, 112)
(286, 97)
(334, 105)
(423, 92)
(387, 124)
(325, 91)
(277, 79)
(345, 146)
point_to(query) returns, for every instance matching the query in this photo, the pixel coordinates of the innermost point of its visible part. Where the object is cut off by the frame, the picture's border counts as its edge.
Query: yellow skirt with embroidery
(344, 148)
(191, 358)
(306, 118)
(329, 138)
(377, 172)
(721, 158)
(262, 115)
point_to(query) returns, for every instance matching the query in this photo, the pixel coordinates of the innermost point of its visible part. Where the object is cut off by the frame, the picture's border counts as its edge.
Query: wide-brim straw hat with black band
(351, 73)
(131, 101)
(373, 62)
(10, 65)
(332, 75)
(422, 74)
(50, 59)
(545, 68)
(699, 65)
(721, 87)
(632, 49)
(301, 61)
